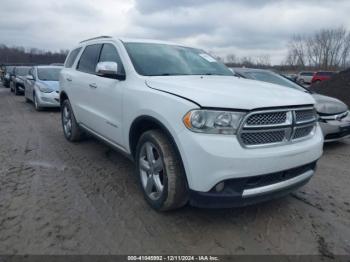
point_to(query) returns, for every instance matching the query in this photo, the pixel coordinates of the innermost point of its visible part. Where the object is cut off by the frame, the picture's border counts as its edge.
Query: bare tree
(326, 49)
(263, 60)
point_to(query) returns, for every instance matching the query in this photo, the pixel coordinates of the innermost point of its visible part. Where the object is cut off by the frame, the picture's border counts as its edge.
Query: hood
(229, 91)
(329, 105)
(54, 85)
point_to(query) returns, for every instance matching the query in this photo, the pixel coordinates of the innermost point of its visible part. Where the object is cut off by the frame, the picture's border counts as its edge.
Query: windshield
(49, 74)
(22, 71)
(273, 78)
(163, 60)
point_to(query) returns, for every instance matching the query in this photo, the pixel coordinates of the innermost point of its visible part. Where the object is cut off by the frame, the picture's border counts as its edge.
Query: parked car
(7, 75)
(304, 77)
(197, 134)
(18, 78)
(321, 76)
(334, 117)
(41, 86)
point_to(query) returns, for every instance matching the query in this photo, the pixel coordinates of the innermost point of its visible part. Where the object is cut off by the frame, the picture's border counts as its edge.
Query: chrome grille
(272, 118)
(305, 115)
(272, 127)
(263, 137)
(302, 131)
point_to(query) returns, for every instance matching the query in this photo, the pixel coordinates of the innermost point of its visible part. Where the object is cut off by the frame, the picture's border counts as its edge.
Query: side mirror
(109, 70)
(30, 77)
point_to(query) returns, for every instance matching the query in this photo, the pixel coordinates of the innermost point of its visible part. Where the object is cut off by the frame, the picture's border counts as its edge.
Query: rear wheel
(71, 129)
(160, 170)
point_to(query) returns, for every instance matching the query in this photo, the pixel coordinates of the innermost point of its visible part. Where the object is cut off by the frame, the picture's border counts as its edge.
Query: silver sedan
(42, 86)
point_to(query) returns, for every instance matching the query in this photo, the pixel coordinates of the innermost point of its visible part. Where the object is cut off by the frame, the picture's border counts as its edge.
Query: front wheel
(71, 129)
(161, 173)
(36, 104)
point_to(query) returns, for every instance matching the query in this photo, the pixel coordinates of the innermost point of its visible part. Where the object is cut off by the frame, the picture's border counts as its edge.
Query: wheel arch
(63, 96)
(144, 123)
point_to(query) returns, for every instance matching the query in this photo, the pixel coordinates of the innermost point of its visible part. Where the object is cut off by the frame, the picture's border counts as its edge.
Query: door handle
(93, 85)
(69, 79)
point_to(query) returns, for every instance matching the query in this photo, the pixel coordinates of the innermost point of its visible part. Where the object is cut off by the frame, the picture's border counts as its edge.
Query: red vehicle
(321, 76)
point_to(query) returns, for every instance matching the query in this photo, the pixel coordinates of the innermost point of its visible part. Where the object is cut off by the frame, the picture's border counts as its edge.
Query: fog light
(219, 187)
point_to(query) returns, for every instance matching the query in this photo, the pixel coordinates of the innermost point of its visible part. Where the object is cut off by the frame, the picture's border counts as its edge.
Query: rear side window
(72, 56)
(110, 54)
(89, 58)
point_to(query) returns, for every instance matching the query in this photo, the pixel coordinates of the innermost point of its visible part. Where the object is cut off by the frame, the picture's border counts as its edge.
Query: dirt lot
(62, 198)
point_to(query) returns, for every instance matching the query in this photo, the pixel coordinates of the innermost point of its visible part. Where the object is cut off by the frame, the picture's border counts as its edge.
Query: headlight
(45, 89)
(213, 122)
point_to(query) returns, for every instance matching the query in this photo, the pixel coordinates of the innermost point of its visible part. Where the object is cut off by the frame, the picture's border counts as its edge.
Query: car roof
(48, 66)
(127, 40)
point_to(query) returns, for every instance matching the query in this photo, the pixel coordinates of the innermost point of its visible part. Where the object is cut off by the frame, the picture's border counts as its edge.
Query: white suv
(197, 133)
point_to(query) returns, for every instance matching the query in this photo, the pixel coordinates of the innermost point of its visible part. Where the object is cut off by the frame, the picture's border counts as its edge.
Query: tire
(36, 104)
(163, 183)
(71, 131)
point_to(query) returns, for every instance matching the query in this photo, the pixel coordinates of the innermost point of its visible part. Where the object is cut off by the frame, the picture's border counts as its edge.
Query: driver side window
(110, 54)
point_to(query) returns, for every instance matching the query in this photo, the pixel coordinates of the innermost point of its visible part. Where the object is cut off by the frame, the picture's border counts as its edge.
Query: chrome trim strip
(277, 186)
(335, 117)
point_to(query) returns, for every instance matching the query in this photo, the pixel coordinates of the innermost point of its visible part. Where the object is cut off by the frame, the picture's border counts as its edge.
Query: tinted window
(110, 54)
(307, 74)
(162, 59)
(273, 78)
(22, 71)
(89, 58)
(72, 56)
(49, 74)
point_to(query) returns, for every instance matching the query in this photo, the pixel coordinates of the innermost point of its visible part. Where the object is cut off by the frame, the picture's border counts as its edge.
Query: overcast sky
(244, 28)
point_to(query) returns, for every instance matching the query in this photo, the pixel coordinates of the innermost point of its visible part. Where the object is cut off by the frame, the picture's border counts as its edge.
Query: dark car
(334, 117)
(18, 78)
(8, 72)
(321, 76)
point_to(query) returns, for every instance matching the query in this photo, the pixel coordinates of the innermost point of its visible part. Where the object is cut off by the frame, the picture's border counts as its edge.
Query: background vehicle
(195, 132)
(304, 77)
(334, 116)
(321, 76)
(7, 75)
(41, 86)
(18, 78)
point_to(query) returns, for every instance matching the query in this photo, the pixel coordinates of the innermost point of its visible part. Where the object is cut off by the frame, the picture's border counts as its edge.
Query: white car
(197, 134)
(42, 87)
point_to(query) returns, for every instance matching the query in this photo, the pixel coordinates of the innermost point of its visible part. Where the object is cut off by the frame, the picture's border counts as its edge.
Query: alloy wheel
(67, 121)
(151, 171)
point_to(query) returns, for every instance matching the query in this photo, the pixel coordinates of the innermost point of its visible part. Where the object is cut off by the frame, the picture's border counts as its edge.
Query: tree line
(327, 49)
(19, 55)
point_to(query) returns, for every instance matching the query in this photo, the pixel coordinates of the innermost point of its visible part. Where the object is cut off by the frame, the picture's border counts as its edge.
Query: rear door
(81, 90)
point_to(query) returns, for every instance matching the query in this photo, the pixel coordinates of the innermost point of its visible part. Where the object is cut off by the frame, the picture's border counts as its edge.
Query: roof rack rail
(99, 37)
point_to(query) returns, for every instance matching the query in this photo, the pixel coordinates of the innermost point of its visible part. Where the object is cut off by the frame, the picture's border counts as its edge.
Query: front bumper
(210, 159)
(48, 99)
(334, 130)
(252, 190)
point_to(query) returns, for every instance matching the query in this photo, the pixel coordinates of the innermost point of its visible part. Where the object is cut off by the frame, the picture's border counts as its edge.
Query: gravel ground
(63, 198)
